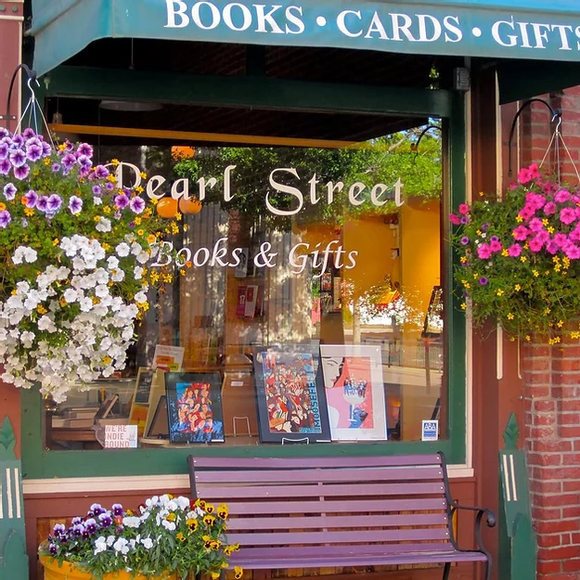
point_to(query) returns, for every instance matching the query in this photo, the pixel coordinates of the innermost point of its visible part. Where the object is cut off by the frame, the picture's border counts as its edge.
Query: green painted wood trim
(256, 92)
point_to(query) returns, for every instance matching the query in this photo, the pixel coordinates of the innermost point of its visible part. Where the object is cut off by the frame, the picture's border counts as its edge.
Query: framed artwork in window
(353, 381)
(194, 407)
(290, 394)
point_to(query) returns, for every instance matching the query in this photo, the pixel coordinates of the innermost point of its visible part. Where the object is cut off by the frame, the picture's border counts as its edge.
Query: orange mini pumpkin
(167, 207)
(190, 206)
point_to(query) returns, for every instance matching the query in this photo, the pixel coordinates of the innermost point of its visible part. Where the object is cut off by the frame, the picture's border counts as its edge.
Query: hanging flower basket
(75, 249)
(167, 538)
(519, 257)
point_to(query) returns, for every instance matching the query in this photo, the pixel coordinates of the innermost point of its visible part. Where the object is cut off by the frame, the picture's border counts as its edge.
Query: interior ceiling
(307, 64)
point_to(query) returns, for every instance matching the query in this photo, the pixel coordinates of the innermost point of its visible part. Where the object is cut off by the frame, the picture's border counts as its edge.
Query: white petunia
(123, 250)
(70, 295)
(113, 263)
(104, 225)
(140, 297)
(138, 272)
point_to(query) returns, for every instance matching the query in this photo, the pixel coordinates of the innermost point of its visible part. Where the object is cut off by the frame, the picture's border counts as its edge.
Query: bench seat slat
(334, 537)
(315, 490)
(353, 506)
(404, 474)
(310, 462)
(294, 560)
(344, 521)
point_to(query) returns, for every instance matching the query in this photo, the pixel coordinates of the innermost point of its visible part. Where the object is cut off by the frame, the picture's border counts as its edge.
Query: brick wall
(551, 376)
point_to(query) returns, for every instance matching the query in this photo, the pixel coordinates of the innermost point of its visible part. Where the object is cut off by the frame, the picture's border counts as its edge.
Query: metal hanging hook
(556, 114)
(31, 74)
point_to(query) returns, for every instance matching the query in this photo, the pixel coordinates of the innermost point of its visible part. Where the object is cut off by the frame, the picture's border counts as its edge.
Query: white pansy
(170, 526)
(100, 545)
(123, 250)
(131, 521)
(182, 502)
(147, 543)
(121, 545)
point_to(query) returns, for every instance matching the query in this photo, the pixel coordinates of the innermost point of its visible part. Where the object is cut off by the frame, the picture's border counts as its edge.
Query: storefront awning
(506, 29)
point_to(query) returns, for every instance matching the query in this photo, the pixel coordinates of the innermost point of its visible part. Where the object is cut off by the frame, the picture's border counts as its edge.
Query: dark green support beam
(257, 92)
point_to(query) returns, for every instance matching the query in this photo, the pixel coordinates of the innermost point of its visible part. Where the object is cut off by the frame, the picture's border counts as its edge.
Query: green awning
(505, 29)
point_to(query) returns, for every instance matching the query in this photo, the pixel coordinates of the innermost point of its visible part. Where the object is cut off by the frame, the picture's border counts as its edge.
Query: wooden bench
(335, 512)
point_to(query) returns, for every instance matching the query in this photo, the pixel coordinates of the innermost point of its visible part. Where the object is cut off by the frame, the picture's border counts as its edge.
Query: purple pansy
(76, 521)
(54, 202)
(5, 219)
(75, 204)
(9, 191)
(53, 550)
(122, 201)
(117, 509)
(137, 205)
(105, 520)
(91, 526)
(21, 172)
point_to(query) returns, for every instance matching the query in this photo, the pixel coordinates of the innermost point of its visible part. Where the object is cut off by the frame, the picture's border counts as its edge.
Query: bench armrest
(490, 520)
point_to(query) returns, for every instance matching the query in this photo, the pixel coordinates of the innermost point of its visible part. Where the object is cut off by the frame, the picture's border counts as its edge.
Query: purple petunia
(109, 186)
(55, 167)
(101, 171)
(34, 153)
(97, 190)
(18, 158)
(464, 219)
(5, 219)
(483, 281)
(85, 162)
(42, 203)
(3, 150)
(85, 149)
(122, 201)
(18, 140)
(31, 198)
(9, 191)
(54, 202)
(46, 150)
(21, 172)
(75, 204)
(68, 161)
(137, 205)
(4, 166)
(465, 240)
(29, 133)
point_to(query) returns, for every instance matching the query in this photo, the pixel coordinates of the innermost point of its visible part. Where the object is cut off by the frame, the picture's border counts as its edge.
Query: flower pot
(68, 571)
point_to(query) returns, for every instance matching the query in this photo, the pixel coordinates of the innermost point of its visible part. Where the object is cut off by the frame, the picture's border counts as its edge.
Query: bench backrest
(329, 502)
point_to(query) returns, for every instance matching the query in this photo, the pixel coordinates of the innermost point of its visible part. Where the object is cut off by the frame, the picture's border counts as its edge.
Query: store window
(303, 301)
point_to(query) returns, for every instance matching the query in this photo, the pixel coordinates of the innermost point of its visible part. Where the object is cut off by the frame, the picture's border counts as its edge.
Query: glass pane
(305, 299)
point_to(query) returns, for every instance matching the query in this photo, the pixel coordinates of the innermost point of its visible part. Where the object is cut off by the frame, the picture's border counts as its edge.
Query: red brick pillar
(552, 437)
(11, 19)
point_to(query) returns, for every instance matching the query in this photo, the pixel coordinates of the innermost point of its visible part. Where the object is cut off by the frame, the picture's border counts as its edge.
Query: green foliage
(520, 257)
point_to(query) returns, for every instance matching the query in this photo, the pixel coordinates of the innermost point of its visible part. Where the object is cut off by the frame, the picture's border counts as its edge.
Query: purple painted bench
(333, 512)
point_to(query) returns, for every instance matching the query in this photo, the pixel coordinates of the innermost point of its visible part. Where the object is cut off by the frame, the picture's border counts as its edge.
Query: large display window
(305, 305)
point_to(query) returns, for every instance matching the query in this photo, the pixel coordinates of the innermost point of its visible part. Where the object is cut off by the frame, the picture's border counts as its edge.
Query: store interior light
(130, 106)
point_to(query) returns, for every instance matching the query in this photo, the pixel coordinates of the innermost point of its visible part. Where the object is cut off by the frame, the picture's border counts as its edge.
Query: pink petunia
(552, 247)
(550, 208)
(535, 199)
(568, 215)
(524, 176)
(562, 196)
(484, 251)
(535, 245)
(536, 225)
(560, 240)
(521, 233)
(527, 212)
(463, 208)
(515, 250)
(572, 251)
(575, 234)
(534, 171)
(454, 219)
(543, 236)
(495, 246)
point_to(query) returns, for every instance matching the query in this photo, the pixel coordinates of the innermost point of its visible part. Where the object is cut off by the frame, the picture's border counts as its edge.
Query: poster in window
(194, 407)
(290, 394)
(353, 381)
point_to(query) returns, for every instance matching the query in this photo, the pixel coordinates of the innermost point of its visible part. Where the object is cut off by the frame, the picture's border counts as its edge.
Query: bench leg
(446, 569)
